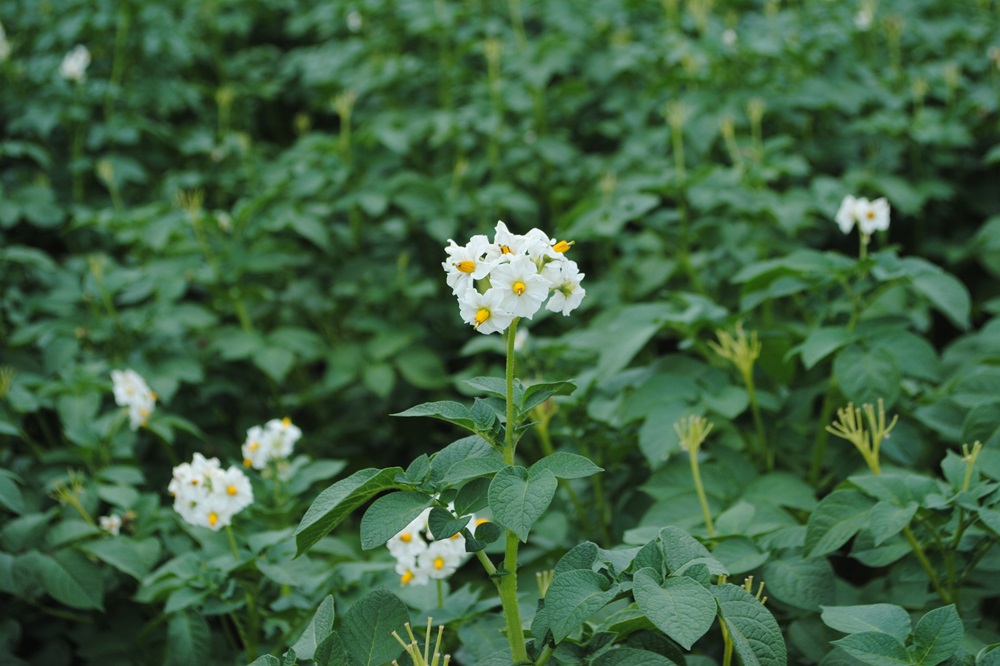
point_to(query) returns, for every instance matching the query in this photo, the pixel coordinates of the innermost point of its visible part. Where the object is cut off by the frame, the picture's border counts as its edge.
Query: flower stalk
(743, 350)
(692, 431)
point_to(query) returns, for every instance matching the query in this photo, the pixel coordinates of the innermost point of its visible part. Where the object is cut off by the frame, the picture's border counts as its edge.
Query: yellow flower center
(519, 287)
(152, 394)
(406, 537)
(439, 563)
(286, 422)
(482, 316)
(231, 490)
(247, 462)
(213, 518)
(480, 521)
(406, 578)
(505, 249)
(194, 482)
(466, 266)
(562, 245)
(254, 446)
(870, 215)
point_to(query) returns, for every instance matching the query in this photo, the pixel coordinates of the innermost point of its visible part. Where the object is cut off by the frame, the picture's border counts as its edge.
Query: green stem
(727, 652)
(232, 542)
(544, 656)
(765, 450)
(542, 428)
(819, 446)
(925, 564)
(508, 583)
(700, 489)
(440, 592)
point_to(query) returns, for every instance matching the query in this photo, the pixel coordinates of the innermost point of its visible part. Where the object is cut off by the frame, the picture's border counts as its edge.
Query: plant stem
(440, 592)
(819, 446)
(925, 563)
(765, 450)
(544, 656)
(696, 473)
(232, 542)
(542, 428)
(508, 583)
(727, 652)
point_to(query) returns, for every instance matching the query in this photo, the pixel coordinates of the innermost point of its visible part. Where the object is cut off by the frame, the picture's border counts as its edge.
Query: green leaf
(581, 556)
(888, 519)
(874, 648)
(565, 466)
(681, 550)
(67, 576)
(495, 386)
(446, 410)
(275, 362)
(518, 500)
(331, 652)
(134, 558)
(886, 618)
(368, 626)
(266, 660)
(536, 394)
(317, 630)
(803, 583)
(937, 636)
(472, 497)
(188, 640)
(836, 519)
(485, 534)
(443, 525)
(821, 342)
(10, 494)
(338, 501)
(867, 375)
(472, 468)
(947, 294)
(574, 596)
(389, 515)
(756, 637)
(626, 656)
(681, 608)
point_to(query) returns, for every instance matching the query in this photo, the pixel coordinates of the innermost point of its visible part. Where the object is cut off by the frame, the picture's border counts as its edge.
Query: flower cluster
(208, 496)
(522, 271)
(419, 557)
(274, 441)
(870, 216)
(74, 64)
(131, 391)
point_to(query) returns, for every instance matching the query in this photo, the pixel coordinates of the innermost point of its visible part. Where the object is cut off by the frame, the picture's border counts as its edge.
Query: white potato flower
(467, 263)
(4, 45)
(274, 441)
(567, 294)
(846, 215)
(205, 495)
(483, 311)
(131, 391)
(872, 215)
(111, 524)
(74, 64)
(522, 290)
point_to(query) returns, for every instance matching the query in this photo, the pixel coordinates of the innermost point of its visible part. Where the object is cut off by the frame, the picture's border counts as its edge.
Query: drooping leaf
(368, 626)
(681, 607)
(565, 466)
(875, 648)
(835, 520)
(518, 500)
(937, 636)
(887, 618)
(316, 631)
(574, 596)
(757, 639)
(389, 515)
(188, 639)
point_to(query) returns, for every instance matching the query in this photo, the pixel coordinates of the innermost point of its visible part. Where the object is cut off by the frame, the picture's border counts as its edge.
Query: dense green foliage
(246, 202)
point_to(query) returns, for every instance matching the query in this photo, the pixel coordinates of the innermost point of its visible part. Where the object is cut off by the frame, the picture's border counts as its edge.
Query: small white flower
(521, 288)
(847, 214)
(567, 294)
(864, 18)
(354, 21)
(729, 37)
(466, 263)
(131, 391)
(483, 311)
(206, 495)
(872, 216)
(410, 542)
(440, 559)
(74, 64)
(274, 441)
(4, 45)
(410, 573)
(111, 524)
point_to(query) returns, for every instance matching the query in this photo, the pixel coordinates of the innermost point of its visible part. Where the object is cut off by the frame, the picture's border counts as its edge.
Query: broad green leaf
(888, 519)
(443, 525)
(472, 497)
(134, 558)
(266, 660)
(867, 375)
(836, 519)
(496, 386)
(627, 656)
(10, 494)
(565, 466)
(518, 500)
(739, 554)
(756, 637)
(467, 448)
(472, 468)
(389, 515)
(574, 596)
(821, 342)
(681, 550)
(316, 631)
(339, 500)
(803, 583)
(937, 636)
(536, 394)
(67, 576)
(275, 362)
(947, 294)
(485, 534)
(446, 410)
(887, 618)
(875, 649)
(681, 608)
(189, 640)
(580, 556)
(331, 652)
(368, 626)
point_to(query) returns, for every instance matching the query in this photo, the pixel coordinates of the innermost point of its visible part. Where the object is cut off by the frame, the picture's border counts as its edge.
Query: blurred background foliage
(246, 201)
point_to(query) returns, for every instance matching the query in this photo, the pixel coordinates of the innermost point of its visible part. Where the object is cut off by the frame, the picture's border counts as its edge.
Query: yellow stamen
(231, 490)
(519, 287)
(153, 395)
(247, 462)
(194, 482)
(456, 535)
(254, 446)
(144, 412)
(406, 578)
(466, 266)
(406, 537)
(505, 249)
(286, 422)
(213, 518)
(439, 563)
(481, 316)
(870, 215)
(480, 521)
(562, 245)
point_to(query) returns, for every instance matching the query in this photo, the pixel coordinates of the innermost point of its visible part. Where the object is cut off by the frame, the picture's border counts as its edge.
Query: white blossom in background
(869, 216)
(4, 45)
(522, 271)
(131, 391)
(420, 558)
(111, 524)
(275, 440)
(729, 37)
(354, 21)
(205, 495)
(74, 64)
